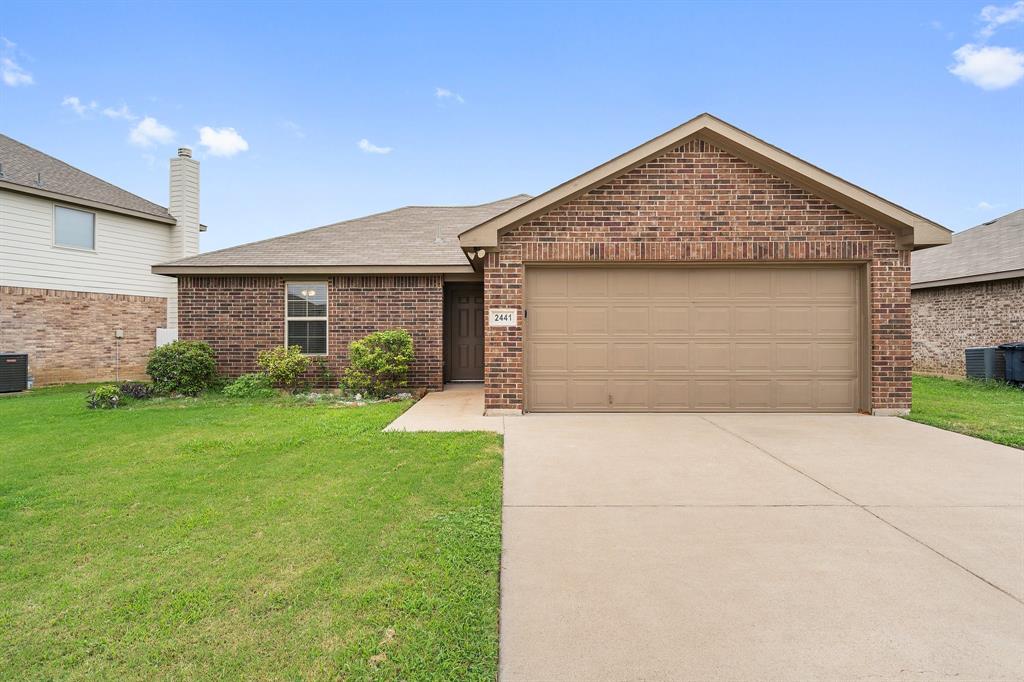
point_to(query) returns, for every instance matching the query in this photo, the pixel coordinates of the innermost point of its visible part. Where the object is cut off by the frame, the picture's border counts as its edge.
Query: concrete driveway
(742, 547)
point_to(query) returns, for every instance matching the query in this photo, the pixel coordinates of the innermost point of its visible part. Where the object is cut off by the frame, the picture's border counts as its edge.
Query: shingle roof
(402, 237)
(993, 247)
(24, 166)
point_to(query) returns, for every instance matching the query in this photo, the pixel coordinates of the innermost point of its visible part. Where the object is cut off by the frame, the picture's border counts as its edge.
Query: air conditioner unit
(13, 372)
(985, 362)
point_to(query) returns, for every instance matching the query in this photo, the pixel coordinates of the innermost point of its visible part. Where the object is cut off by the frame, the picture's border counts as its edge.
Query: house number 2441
(502, 317)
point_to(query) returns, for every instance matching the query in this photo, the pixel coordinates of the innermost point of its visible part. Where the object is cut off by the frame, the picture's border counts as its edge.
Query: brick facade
(242, 315)
(946, 320)
(700, 204)
(69, 335)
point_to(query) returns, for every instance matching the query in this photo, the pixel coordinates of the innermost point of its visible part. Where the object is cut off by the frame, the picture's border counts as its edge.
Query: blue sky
(920, 102)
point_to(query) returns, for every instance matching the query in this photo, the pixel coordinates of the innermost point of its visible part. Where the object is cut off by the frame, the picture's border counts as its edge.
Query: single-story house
(968, 293)
(704, 270)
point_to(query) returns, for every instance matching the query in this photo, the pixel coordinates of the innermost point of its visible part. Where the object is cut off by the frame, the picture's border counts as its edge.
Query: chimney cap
(185, 152)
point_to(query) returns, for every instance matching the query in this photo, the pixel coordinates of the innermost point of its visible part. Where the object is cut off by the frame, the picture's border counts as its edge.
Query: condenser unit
(985, 362)
(13, 372)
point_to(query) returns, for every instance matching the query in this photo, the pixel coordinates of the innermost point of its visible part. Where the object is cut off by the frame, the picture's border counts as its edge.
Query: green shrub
(256, 385)
(379, 363)
(105, 397)
(187, 367)
(284, 366)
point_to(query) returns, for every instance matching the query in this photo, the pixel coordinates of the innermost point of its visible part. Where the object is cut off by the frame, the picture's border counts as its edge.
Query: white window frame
(325, 319)
(53, 232)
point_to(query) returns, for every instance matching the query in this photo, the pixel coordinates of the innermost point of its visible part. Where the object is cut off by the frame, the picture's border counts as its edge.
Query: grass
(217, 539)
(984, 409)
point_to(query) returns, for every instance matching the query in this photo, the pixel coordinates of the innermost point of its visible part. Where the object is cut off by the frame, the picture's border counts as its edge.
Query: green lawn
(212, 539)
(984, 409)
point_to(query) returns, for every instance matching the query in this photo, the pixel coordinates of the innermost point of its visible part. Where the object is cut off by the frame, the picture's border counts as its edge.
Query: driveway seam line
(866, 509)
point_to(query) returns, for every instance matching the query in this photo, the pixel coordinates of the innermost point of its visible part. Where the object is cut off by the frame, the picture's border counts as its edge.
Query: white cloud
(121, 112)
(222, 141)
(293, 128)
(11, 72)
(149, 131)
(371, 148)
(990, 68)
(984, 206)
(445, 93)
(78, 106)
(996, 17)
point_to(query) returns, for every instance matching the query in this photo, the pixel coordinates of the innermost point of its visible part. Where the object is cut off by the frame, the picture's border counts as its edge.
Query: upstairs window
(306, 317)
(73, 228)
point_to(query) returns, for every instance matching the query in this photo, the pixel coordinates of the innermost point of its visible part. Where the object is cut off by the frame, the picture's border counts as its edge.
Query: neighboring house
(704, 270)
(969, 293)
(77, 292)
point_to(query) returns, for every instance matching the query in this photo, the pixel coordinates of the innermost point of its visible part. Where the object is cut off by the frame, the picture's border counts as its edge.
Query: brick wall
(69, 335)
(699, 204)
(946, 320)
(240, 316)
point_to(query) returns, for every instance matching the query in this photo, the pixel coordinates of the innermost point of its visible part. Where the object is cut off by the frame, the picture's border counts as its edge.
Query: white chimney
(184, 204)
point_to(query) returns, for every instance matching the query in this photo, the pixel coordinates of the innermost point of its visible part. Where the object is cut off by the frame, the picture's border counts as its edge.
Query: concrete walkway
(751, 547)
(459, 407)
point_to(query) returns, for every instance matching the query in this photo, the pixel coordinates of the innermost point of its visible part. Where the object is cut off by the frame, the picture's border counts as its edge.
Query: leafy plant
(323, 371)
(255, 385)
(379, 363)
(187, 367)
(284, 366)
(136, 390)
(105, 397)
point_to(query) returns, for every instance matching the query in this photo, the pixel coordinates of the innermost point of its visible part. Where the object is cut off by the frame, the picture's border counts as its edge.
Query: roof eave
(968, 279)
(176, 270)
(87, 203)
(912, 230)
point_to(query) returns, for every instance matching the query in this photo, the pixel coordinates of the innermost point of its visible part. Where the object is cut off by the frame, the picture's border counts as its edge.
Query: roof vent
(185, 152)
(39, 179)
(994, 220)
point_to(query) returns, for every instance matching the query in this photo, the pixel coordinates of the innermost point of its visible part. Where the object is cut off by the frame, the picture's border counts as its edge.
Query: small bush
(255, 385)
(284, 366)
(136, 390)
(379, 363)
(187, 367)
(324, 375)
(105, 397)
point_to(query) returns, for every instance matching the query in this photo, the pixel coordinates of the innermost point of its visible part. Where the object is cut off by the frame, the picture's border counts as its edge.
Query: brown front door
(466, 333)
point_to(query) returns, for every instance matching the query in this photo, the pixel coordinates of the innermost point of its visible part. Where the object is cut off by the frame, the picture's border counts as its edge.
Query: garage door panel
(549, 320)
(752, 283)
(752, 357)
(744, 338)
(711, 320)
(672, 320)
(586, 320)
(630, 320)
(589, 357)
(587, 283)
(670, 357)
(630, 357)
(710, 357)
(753, 394)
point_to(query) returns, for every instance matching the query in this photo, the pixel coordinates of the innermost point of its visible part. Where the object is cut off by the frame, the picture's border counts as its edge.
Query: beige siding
(126, 248)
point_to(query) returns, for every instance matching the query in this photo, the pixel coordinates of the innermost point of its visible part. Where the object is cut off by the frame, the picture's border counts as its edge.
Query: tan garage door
(671, 339)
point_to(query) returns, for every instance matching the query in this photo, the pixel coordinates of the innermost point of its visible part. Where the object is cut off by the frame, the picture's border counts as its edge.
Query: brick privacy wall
(242, 315)
(69, 335)
(699, 204)
(946, 320)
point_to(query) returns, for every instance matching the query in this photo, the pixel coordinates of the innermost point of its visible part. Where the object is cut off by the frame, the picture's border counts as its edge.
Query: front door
(466, 333)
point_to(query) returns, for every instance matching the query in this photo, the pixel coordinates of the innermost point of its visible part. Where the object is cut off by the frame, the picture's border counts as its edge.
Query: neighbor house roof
(992, 250)
(30, 171)
(912, 230)
(410, 239)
